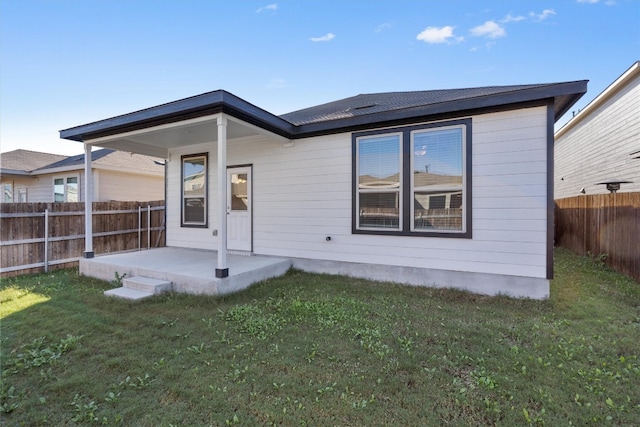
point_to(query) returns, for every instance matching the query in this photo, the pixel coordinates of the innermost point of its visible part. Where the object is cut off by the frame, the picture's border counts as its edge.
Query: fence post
(46, 240)
(139, 227)
(148, 227)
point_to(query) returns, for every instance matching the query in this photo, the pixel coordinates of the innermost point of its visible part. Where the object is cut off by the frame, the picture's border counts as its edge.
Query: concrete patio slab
(190, 271)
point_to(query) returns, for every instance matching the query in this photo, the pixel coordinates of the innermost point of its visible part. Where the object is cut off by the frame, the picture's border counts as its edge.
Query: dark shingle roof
(372, 103)
(78, 160)
(358, 112)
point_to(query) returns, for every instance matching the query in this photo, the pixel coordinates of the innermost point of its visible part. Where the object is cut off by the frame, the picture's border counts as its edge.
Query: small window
(66, 189)
(22, 195)
(194, 191)
(379, 178)
(7, 192)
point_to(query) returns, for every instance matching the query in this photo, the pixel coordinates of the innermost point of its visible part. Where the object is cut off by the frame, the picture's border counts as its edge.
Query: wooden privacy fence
(602, 224)
(37, 236)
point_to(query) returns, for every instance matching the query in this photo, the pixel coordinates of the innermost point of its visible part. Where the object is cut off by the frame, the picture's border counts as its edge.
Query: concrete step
(128, 294)
(146, 284)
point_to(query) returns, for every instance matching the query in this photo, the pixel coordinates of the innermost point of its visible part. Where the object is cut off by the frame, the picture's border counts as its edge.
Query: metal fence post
(139, 227)
(46, 240)
(148, 227)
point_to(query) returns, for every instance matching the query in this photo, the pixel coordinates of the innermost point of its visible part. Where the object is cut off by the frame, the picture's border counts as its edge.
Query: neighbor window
(194, 191)
(65, 189)
(7, 190)
(413, 180)
(21, 195)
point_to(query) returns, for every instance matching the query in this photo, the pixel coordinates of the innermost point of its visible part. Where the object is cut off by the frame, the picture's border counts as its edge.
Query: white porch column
(88, 201)
(222, 270)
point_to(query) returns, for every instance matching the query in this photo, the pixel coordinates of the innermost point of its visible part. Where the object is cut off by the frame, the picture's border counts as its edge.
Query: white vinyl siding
(598, 147)
(113, 185)
(303, 194)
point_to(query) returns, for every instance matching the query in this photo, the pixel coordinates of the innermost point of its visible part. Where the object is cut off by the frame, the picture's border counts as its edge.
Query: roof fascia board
(62, 169)
(201, 105)
(468, 106)
(14, 172)
(611, 90)
(223, 102)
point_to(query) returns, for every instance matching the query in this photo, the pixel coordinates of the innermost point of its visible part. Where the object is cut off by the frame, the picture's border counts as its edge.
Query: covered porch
(190, 271)
(204, 123)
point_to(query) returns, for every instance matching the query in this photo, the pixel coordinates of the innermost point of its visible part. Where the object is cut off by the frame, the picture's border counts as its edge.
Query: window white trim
(21, 195)
(65, 184)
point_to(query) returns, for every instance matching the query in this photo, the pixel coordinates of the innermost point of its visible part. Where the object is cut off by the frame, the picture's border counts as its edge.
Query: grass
(310, 349)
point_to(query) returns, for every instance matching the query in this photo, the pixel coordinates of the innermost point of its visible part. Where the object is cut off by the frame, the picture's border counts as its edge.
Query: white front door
(239, 213)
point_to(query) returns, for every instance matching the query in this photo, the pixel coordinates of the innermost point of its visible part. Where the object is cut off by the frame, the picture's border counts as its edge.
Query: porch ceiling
(158, 140)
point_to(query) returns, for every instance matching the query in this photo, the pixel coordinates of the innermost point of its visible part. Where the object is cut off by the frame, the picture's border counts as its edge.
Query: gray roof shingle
(110, 157)
(27, 160)
(371, 103)
(349, 114)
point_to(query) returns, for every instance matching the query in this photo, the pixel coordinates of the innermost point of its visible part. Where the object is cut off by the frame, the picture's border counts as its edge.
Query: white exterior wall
(302, 194)
(191, 237)
(40, 188)
(597, 148)
(112, 185)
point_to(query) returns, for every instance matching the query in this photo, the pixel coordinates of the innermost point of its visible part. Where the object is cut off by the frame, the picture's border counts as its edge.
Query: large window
(66, 189)
(194, 191)
(413, 180)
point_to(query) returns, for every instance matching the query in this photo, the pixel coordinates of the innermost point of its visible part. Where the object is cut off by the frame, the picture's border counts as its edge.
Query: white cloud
(610, 2)
(326, 38)
(588, 1)
(435, 35)
(543, 15)
(268, 8)
(511, 18)
(489, 29)
(383, 27)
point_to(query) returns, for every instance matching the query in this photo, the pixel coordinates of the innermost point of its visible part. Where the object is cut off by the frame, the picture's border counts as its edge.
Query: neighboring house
(438, 188)
(602, 141)
(16, 169)
(31, 176)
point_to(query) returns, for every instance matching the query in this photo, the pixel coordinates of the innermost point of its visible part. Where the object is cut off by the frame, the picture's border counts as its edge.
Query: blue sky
(66, 63)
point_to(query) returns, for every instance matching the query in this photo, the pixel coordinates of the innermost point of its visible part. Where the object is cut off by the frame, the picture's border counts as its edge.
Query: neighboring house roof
(22, 162)
(348, 114)
(32, 163)
(110, 158)
(614, 88)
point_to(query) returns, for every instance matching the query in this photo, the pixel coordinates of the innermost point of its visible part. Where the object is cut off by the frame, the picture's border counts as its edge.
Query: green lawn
(312, 350)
